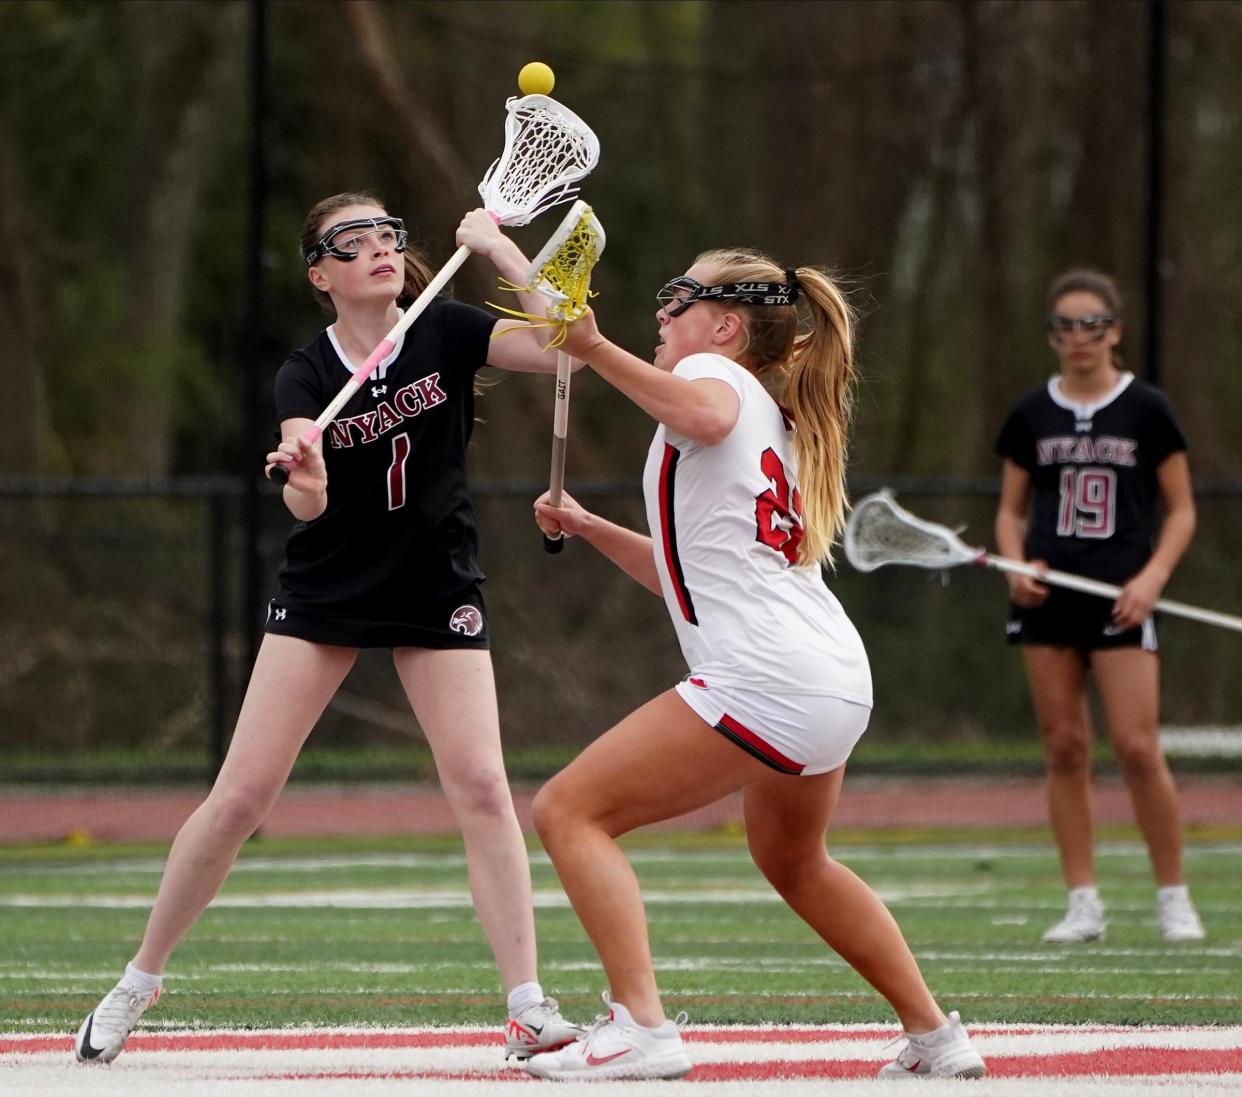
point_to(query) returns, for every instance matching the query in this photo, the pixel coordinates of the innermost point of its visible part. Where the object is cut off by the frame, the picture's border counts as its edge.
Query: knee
(482, 795)
(1067, 749)
(237, 813)
(554, 813)
(787, 865)
(1139, 758)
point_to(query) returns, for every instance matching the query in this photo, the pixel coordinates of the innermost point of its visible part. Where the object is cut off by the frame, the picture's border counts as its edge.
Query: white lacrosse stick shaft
(387, 344)
(554, 542)
(1104, 590)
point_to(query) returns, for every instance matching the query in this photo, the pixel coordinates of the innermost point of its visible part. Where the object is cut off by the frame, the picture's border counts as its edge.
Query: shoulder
(313, 356)
(695, 367)
(460, 326)
(1031, 408)
(1145, 395)
(452, 315)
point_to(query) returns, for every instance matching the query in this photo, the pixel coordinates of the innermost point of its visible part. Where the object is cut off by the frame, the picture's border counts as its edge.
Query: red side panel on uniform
(753, 744)
(668, 533)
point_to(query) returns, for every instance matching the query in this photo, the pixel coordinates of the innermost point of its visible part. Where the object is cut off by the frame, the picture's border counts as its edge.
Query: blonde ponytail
(816, 372)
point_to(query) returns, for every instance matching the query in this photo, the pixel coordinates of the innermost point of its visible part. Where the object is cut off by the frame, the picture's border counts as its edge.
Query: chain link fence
(125, 643)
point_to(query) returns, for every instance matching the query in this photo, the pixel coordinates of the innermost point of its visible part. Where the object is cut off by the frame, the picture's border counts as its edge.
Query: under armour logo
(280, 614)
(378, 390)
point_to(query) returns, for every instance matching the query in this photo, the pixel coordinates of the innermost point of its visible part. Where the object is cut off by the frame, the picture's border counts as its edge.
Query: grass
(413, 762)
(401, 945)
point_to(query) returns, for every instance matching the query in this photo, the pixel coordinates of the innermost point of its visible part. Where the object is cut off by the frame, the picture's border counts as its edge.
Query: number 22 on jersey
(777, 516)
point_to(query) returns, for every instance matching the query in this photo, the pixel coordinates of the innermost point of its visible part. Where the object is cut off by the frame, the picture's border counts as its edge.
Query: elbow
(1191, 520)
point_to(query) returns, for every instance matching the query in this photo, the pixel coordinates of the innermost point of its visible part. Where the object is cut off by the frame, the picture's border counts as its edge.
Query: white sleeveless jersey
(725, 525)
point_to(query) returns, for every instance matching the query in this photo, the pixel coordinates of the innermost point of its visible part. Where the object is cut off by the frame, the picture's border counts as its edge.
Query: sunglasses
(344, 241)
(679, 294)
(1095, 325)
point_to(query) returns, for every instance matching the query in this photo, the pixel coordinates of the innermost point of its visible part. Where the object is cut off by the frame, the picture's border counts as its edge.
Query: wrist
(1155, 573)
(508, 260)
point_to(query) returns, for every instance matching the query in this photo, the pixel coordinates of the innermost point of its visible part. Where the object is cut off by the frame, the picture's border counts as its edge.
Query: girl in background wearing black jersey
(383, 555)
(1089, 455)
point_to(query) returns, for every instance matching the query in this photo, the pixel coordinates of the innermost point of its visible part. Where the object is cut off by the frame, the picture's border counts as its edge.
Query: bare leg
(291, 684)
(786, 818)
(454, 697)
(660, 761)
(1129, 685)
(1058, 684)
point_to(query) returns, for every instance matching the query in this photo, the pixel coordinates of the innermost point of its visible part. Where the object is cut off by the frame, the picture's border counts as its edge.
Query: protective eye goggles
(344, 241)
(1095, 325)
(679, 294)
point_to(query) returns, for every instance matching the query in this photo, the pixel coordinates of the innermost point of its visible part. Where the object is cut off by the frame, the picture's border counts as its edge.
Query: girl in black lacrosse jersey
(1089, 456)
(383, 555)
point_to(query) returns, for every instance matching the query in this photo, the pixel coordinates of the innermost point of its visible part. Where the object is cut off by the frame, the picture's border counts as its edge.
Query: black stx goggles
(679, 294)
(343, 241)
(1094, 326)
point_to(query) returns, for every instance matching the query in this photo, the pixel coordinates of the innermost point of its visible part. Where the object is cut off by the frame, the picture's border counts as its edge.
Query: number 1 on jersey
(396, 471)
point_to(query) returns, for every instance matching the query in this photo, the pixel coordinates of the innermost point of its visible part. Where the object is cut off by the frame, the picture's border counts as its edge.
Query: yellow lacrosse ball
(536, 78)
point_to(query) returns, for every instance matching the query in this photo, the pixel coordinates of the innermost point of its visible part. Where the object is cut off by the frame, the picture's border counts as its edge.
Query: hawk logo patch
(467, 620)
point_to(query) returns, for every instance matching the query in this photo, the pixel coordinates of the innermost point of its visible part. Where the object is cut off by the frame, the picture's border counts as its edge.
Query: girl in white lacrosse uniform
(384, 557)
(745, 496)
(1087, 458)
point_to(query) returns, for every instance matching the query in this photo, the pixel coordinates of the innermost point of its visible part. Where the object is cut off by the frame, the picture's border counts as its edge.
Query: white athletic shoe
(1083, 921)
(538, 1029)
(106, 1028)
(615, 1046)
(942, 1053)
(1179, 921)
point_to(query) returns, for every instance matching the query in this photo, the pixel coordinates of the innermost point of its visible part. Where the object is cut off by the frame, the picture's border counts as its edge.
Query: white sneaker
(1179, 921)
(539, 1028)
(942, 1053)
(617, 1047)
(1084, 920)
(106, 1028)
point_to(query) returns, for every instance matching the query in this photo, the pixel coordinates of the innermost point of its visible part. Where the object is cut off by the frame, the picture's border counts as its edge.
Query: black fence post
(217, 587)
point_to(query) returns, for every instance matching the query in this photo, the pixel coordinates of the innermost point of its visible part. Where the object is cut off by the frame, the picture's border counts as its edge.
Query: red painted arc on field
(1115, 1062)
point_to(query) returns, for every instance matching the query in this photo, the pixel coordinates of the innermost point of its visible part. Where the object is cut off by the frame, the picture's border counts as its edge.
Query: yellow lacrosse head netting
(562, 271)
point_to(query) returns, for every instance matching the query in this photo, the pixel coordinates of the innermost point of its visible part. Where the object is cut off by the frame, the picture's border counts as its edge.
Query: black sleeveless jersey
(1093, 475)
(399, 527)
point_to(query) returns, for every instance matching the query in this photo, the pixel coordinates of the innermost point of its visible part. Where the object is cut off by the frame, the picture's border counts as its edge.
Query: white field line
(422, 898)
(317, 864)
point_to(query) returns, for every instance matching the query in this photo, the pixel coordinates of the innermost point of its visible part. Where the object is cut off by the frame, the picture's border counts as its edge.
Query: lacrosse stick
(548, 149)
(880, 532)
(562, 271)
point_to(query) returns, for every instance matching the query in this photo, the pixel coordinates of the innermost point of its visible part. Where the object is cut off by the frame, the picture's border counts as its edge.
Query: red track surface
(310, 811)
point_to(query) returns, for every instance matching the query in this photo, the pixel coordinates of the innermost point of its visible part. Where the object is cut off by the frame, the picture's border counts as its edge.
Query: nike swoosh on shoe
(86, 1051)
(600, 1060)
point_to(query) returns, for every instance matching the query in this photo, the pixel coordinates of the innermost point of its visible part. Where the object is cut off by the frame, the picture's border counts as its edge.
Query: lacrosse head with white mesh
(548, 149)
(562, 269)
(880, 532)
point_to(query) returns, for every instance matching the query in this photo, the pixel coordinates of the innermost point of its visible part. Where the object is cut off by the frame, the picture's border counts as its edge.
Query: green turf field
(382, 933)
